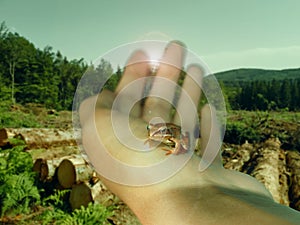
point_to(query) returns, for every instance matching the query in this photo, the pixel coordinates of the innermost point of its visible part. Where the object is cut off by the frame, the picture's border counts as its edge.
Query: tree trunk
(39, 137)
(72, 170)
(268, 170)
(12, 66)
(238, 159)
(46, 168)
(293, 164)
(5, 134)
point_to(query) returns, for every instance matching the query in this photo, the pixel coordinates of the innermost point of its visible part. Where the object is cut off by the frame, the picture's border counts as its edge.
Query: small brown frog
(170, 135)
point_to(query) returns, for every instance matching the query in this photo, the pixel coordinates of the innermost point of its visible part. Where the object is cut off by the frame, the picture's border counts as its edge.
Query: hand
(186, 195)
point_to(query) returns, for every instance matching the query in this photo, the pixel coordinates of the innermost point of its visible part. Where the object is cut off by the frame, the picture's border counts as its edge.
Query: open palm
(164, 189)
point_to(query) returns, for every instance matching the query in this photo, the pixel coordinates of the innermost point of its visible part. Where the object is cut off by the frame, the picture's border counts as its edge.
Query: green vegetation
(15, 117)
(248, 75)
(37, 85)
(17, 190)
(32, 75)
(32, 116)
(23, 200)
(58, 212)
(254, 89)
(258, 126)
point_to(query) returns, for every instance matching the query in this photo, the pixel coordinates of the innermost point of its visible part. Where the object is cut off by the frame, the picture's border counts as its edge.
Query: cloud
(263, 58)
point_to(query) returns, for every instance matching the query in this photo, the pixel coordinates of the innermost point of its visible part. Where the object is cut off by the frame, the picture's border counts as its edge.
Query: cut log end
(81, 195)
(66, 174)
(73, 170)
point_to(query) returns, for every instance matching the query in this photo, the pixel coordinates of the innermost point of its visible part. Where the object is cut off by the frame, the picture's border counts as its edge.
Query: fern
(17, 181)
(90, 215)
(56, 199)
(52, 216)
(18, 194)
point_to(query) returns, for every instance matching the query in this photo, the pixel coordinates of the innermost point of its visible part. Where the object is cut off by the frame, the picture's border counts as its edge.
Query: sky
(227, 34)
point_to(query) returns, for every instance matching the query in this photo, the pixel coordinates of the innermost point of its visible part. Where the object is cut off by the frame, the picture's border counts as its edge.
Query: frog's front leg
(174, 150)
(181, 145)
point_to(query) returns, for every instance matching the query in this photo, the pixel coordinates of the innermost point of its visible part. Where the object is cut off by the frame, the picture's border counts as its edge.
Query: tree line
(265, 95)
(32, 75)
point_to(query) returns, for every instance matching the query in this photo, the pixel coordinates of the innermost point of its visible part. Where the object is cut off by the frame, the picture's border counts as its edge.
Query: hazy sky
(226, 34)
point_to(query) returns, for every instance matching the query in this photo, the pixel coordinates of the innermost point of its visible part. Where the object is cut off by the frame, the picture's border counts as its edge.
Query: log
(39, 137)
(37, 166)
(267, 170)
(293, 165)
(46, 168)
(72, 170)
(83, 193)
(237, 160)
(5, 135)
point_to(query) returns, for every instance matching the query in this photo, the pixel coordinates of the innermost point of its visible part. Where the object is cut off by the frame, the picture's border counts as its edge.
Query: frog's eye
(148, 127)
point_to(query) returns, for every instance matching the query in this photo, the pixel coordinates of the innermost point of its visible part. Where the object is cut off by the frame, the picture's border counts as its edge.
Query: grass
(257, 126)
(32, 116)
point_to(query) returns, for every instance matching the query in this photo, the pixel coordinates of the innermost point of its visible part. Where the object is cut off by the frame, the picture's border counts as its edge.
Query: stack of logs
(74, 173)
(277, 169)
(68, 172)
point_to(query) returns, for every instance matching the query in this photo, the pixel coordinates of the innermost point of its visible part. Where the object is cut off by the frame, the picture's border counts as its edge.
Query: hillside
(259, 89)
(246, 75)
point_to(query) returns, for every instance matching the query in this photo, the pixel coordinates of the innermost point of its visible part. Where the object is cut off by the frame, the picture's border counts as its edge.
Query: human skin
(212, 196)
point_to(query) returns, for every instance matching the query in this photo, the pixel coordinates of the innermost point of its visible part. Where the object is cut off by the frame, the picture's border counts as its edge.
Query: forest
(264, 90)
(37, 88)
(32, 75)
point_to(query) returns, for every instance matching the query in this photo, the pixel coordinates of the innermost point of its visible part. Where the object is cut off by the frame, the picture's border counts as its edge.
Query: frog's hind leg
(169, 151)
(175, 149)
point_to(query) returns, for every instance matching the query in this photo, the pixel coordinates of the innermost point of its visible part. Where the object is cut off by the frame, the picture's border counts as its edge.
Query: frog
(171, 135)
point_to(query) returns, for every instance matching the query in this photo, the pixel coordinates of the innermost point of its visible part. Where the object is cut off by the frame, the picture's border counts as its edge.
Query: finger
(87, 109)
(169, 70)
(191, 89)
(137, 67)
(210, 139)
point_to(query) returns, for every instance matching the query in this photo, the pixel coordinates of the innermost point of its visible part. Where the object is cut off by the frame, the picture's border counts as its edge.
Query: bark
(266, 162)
(238, 159)
(293, 165)
(268, 166)
(39, 137)
(5, 134)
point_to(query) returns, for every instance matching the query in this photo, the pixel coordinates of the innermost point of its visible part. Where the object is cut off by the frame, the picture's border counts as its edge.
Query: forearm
(210, 205)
